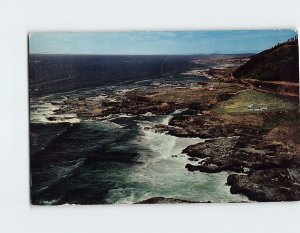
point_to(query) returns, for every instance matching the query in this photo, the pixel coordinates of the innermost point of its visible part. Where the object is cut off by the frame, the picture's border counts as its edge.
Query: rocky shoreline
(259, 147)
(274, 184)
(256, 154)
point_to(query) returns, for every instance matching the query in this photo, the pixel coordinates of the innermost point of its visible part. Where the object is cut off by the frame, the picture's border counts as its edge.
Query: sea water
(118, 160)
(115, 159)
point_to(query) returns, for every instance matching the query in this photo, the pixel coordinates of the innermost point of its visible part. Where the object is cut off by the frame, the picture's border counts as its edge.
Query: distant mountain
(280, 63)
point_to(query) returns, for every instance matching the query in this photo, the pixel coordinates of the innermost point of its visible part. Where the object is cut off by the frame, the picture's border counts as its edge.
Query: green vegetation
(280, 63)
(239, 103)
(289, 118)
(201, 95)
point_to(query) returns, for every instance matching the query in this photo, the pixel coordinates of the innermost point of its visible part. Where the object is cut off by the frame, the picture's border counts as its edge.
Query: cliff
(280, 63)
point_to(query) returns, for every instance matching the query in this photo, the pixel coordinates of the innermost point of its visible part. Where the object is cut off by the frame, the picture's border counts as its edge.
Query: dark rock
(185, 121)
(225, 96)
(56, 103)
(237, 153)
(51, 118)
(198, 106)
(278, 184)
(164, 200)
(213, 168)
(193, 159)
(231, 179)
(208, 126)
(175, 131)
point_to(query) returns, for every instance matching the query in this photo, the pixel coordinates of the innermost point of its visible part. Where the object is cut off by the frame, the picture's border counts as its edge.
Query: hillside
(280, 63)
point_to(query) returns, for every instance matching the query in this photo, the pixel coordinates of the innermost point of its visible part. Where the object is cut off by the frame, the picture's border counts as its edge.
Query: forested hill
(280, 63)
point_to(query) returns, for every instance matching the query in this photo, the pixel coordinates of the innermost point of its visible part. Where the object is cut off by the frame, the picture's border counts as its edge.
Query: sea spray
(160, 172)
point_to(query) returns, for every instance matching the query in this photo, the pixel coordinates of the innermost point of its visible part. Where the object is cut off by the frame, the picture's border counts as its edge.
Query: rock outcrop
(279, 184)
(164, 200)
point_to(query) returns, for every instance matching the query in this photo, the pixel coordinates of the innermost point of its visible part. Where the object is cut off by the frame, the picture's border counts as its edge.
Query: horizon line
(157, 54)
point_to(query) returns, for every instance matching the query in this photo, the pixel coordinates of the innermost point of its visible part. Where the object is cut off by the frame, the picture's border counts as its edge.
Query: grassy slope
(238, 104)
(277, 64)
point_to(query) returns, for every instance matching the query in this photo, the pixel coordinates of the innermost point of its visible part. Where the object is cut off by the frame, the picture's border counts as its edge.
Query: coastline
(239, 141)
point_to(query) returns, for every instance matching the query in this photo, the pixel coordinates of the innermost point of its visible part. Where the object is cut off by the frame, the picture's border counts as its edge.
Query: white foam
(112, 124)
(111, 117)
(97, 98)
(166, 145)
(178, 111)
(165, 120)
(51, 202)
(161, 173)
(41, 110)
(149, 114)
(63, 171)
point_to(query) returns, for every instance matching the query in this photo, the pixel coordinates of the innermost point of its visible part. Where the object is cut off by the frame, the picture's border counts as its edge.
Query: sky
(157, 42)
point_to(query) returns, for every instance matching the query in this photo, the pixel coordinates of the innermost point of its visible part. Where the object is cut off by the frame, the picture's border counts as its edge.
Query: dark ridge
(279, 63)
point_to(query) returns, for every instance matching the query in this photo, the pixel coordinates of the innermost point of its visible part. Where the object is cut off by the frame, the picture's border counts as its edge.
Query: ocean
(115, 159)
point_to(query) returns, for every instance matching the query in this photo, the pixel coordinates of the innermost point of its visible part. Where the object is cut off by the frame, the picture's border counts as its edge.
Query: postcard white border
(17, 18)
